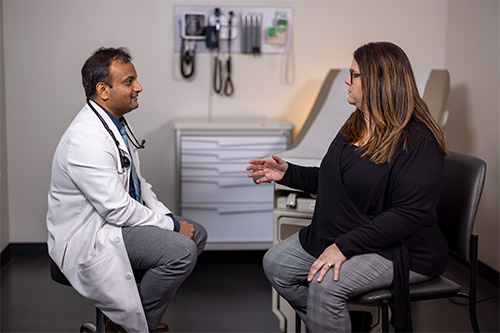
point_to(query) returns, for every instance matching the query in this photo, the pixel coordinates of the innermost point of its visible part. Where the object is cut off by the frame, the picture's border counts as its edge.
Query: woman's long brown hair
(392, 99)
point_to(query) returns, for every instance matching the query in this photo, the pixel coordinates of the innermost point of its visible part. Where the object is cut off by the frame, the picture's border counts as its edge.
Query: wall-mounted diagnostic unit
(193, 25)
(225, 29)
(267, 28)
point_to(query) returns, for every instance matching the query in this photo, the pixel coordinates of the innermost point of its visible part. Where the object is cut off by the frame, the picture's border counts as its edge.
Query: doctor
(103, 217)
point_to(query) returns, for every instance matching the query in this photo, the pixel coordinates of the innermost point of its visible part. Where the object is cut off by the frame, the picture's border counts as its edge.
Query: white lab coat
(88, 204)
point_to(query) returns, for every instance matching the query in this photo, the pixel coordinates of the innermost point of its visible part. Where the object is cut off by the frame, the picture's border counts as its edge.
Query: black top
(365, 207)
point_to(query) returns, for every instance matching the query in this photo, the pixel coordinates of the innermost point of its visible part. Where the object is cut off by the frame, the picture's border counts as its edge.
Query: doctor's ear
(102, 90)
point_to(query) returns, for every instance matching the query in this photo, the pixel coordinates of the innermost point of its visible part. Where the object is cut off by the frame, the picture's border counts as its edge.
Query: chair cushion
(57, 275)
(438, 287)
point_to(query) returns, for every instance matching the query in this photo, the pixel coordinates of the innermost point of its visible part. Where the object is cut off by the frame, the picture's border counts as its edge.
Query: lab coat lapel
(111, 126)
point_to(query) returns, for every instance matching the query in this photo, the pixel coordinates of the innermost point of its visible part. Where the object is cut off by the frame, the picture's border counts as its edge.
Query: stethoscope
(125, 161)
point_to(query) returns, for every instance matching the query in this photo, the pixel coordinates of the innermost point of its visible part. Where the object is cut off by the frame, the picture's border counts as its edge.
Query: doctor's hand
(186, 229)
(268, 169)
(332, 258)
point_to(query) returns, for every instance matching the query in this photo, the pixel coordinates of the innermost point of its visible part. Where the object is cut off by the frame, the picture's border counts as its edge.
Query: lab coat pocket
(96, 276)
(100, 258)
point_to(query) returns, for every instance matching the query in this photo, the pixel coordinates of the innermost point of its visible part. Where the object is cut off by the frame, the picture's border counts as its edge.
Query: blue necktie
(135, 183)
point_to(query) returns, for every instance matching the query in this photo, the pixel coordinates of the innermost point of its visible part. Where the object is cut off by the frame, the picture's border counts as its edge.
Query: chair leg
(100, 321)
(473, 316)
(473, 282)
(385, 316)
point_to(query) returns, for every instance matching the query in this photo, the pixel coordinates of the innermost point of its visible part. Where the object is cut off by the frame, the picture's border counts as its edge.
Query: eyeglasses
(353, 75)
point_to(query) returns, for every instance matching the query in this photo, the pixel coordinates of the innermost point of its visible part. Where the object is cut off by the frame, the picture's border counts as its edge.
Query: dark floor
(227, 292)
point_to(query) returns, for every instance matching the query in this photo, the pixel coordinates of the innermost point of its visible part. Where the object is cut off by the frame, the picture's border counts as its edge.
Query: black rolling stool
(101, 319)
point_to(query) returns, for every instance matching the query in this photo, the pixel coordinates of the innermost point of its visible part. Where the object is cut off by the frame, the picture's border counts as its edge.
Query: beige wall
(472, 57)
(46, 43)
(4, 221)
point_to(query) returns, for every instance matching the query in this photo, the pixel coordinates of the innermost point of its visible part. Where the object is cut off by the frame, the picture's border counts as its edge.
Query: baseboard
(489, 274)
(231, 257)
(5, 257)
(484, 271)
(21, 249)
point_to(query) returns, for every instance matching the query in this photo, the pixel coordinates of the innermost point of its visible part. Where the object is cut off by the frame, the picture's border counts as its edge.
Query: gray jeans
(168, 258)
(322, 305)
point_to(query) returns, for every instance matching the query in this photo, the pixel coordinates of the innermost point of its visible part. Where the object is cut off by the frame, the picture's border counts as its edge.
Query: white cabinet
(212, 181)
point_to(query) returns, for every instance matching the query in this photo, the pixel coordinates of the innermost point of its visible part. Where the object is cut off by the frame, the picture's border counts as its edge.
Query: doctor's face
(124, 90)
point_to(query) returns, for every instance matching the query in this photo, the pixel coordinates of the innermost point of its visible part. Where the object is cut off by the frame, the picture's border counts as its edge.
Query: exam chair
(101, 320)
(457, 208)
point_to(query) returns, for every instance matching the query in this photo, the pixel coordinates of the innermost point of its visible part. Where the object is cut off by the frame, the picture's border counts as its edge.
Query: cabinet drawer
(225, 189)
(223, 156)
(214, 170)
(233, 142)
(233, 222)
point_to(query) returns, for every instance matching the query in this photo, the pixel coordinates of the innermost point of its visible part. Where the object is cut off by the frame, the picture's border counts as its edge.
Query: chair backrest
(459, 201)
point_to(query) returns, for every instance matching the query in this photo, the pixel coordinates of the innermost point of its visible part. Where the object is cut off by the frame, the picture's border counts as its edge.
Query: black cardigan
(403, 212)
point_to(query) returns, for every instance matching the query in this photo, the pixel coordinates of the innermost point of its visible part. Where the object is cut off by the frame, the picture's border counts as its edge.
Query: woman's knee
(269, 263)
(327, 307)
(328, 290)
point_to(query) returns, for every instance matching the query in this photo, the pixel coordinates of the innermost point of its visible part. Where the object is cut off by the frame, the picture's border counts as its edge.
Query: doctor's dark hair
(96, 68)
(391, 98)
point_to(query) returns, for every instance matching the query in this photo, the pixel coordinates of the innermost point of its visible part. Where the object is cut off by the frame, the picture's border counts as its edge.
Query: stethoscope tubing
(124, 160)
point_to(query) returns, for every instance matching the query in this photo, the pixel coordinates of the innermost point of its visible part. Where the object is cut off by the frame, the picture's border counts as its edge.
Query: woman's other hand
(332, 258)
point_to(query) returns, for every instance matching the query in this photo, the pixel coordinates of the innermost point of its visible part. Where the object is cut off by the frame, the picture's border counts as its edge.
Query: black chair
(101, 319)
(458, 204)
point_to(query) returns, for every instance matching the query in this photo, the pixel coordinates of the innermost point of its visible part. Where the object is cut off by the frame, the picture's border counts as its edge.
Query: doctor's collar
(117, 122)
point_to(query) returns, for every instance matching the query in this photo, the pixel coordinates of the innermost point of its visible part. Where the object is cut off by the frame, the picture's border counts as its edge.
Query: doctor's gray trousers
(322, 305)
(168, 258)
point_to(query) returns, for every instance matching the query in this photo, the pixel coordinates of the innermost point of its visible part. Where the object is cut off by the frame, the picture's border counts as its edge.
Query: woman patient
(378, 186)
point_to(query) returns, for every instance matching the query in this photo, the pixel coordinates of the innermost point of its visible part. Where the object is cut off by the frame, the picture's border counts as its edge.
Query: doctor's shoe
(114, 328)
(161, 328)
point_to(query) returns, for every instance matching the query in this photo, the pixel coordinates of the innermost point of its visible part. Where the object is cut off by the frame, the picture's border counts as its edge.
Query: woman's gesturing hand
(267, 169)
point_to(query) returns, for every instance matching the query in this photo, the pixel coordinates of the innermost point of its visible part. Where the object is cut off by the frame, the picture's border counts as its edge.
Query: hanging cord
(287, 70)
(228, 86)
(217, 73)
(218, 63)
(187, 58)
